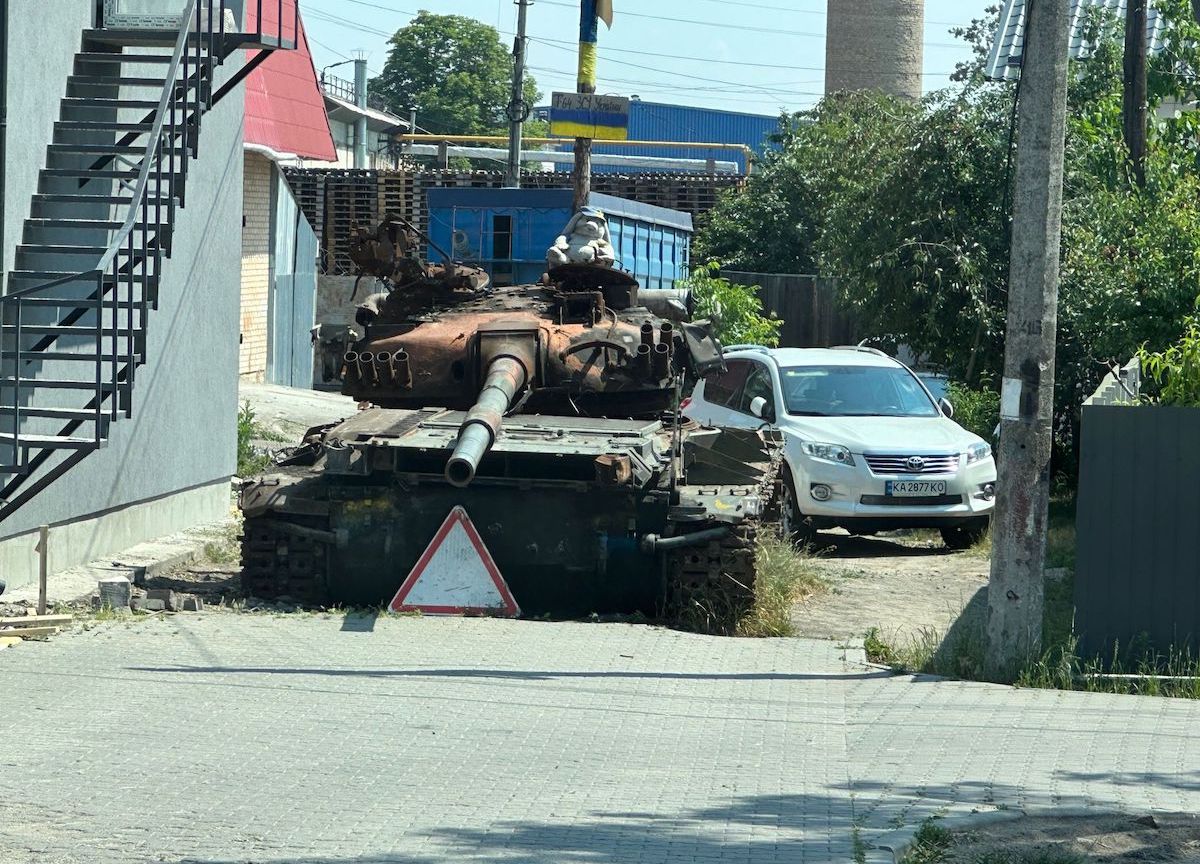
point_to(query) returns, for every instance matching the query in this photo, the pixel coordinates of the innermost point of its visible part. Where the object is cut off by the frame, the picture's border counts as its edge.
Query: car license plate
(915, 488)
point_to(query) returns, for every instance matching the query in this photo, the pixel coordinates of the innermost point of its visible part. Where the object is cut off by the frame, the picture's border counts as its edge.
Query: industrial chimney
(875, 45)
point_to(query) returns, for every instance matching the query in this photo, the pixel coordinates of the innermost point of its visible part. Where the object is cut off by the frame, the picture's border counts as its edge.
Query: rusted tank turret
(548, 412)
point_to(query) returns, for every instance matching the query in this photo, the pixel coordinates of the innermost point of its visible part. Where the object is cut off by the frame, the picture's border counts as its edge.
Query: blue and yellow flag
(590, 14)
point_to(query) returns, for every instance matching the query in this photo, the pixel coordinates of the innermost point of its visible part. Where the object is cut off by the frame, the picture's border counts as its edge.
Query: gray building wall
(875, 45)
(41, 48)
(168, 466)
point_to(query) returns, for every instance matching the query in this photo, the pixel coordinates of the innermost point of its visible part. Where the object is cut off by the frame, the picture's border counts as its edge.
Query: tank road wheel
(710, 588)
(280, 564)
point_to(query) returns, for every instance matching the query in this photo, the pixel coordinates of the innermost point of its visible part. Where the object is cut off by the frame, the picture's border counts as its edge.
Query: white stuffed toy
(585, 241)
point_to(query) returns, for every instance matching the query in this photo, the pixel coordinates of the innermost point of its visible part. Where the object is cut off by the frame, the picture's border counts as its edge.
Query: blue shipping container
(508, 231)
(655, 121)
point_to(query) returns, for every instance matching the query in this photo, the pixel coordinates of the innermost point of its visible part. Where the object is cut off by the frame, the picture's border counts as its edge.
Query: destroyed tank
(548, 412)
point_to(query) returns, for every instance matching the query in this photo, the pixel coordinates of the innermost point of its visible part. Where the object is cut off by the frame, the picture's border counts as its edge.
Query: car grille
(911, 501)
(899, 464)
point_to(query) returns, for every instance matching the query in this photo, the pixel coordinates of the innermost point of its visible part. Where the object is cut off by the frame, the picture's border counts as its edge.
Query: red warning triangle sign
(456, 576)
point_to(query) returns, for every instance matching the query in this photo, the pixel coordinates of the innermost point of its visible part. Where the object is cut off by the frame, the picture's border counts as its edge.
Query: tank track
(280, 565)
(710, 588)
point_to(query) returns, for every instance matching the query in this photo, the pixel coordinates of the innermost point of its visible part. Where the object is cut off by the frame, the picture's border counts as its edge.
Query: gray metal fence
(808, 305)
(1138, 525)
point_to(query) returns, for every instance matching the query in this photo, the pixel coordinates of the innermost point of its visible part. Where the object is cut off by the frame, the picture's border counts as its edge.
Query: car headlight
(977, 452)
(834, 453)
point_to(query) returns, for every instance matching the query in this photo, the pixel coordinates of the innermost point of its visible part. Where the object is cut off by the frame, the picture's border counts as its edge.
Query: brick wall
(256, 265)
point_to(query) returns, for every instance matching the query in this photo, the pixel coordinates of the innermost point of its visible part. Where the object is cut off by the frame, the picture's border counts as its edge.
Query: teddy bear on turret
(584, 241)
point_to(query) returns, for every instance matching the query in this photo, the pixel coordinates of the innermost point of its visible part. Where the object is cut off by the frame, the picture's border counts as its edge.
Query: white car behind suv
(867, 448)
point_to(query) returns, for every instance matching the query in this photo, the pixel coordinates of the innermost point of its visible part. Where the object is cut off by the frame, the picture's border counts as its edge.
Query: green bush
(1175, 372)
(735, 310)
(249, 460)
(976, 411)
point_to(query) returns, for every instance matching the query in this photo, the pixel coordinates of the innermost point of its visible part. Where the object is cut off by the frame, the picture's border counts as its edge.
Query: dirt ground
(1111, 839)
(899, 583)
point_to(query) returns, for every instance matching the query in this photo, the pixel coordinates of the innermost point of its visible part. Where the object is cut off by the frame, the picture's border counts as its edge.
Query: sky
(757, 56)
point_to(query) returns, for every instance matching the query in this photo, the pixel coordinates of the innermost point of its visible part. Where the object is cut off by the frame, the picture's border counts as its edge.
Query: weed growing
(784, 576)
(931, 844)
(251, 460)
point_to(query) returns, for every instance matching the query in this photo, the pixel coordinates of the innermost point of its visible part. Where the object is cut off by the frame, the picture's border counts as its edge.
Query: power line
(606, 48)
(722, 24)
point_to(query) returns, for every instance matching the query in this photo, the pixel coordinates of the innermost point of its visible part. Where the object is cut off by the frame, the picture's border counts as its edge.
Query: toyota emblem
(915, 464)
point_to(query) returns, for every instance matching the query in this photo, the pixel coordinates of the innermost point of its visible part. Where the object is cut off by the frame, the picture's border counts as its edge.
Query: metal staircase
(87, 274)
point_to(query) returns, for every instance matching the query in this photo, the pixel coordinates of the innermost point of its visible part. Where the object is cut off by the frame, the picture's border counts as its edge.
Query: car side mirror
(946, 407)
(761, 409)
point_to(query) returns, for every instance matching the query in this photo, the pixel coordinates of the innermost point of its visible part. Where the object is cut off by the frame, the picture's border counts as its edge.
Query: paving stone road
(221, 738)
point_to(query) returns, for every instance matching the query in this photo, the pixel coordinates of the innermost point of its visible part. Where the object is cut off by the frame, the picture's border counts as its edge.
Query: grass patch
(250, 459)
(958, 654)
(1040, 857)
(931, 844)
(784, 576)
(226, 548)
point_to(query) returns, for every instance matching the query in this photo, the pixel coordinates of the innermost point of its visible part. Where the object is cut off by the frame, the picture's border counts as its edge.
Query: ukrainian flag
(591, 13)
(583, 123)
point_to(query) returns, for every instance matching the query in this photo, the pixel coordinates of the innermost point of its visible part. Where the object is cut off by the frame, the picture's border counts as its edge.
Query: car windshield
(854, 391)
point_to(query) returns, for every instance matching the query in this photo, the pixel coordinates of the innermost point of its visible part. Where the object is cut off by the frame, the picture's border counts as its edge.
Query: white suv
(867, 449)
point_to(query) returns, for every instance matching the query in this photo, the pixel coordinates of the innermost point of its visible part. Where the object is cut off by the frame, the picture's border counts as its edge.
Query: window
(722, 388)
(854, 391)
(502, 237)
(758, 383)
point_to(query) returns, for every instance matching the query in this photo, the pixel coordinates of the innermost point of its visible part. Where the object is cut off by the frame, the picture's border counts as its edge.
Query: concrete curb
(137, 564)
(893, 846)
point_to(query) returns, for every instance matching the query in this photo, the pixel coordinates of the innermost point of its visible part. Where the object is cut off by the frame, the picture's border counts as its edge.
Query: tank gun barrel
(506, 377)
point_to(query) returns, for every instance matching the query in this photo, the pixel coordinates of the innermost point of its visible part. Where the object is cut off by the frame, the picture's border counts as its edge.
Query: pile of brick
(119, 593)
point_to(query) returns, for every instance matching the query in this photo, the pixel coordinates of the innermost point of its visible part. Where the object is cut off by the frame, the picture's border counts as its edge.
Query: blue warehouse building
(508, 232)
(656, 121)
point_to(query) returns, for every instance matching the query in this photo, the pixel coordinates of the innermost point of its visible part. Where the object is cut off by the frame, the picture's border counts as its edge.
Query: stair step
(84, 198)
(75, 303)
(104, 102)
(93, 173)
(102, 126)
(49, 442)
(65, 356)
(104, 57)
(19, 470)
(54, 275)
(61, 250)
(60, 330)
(61, 384)
(83, 224)
(115, 81)
(80, 414)
(98, 149)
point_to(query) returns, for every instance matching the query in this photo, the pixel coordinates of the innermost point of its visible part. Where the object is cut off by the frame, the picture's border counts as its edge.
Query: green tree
(907, 204)
(454, 72)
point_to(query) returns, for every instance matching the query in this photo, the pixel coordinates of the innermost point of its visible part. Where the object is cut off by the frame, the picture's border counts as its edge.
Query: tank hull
(574, 512)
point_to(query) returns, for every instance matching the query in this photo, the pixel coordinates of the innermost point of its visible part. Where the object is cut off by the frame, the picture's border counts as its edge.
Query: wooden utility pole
(1015, 593)
(517, 109)
(585, 83)
(1135, 97)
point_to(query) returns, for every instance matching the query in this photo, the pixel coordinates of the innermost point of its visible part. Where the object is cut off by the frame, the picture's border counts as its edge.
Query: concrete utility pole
(517, 109)
(1135, 97)
(1015, 594)
(360, 125)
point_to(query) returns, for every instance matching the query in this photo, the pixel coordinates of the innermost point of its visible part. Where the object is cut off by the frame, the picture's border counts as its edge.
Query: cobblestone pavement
(220, 738)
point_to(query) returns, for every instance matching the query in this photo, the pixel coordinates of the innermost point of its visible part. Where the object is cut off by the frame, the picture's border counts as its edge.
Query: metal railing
(347, 91)
(137, 245)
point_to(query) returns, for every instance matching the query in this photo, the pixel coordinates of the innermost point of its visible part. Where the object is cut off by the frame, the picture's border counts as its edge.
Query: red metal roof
(284, 106)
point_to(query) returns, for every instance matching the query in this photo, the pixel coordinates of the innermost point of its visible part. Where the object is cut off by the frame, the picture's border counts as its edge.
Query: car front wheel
(962, 537)
(792, 522)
